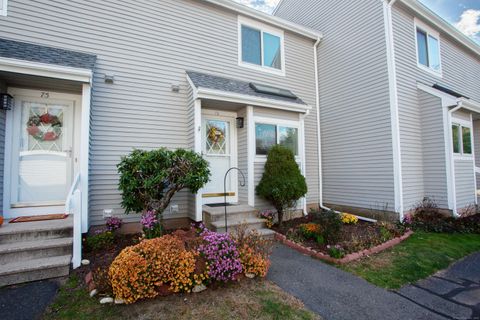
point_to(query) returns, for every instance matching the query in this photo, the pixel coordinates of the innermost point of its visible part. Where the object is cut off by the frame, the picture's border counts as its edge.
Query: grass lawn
(248, 299)
(418, 257)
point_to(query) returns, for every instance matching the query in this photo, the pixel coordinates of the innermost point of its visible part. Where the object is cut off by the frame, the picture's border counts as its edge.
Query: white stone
(119, 301)
(250, 275)
(93, 293)
(85, 262)
(199, 288)
(106, 300)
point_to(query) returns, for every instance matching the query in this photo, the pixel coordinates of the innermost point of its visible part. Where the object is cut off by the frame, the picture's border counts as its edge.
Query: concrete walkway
(336, 295)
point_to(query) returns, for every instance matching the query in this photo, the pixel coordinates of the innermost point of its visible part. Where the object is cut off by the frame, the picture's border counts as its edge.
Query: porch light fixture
(6, 101)
(240, 122)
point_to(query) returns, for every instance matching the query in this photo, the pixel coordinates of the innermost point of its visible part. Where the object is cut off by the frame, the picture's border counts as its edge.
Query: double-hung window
(261, 47)
(428, 48)
(462, 139)
(268, 135)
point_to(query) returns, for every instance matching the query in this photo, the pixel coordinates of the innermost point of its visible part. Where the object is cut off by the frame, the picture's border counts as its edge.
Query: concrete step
(36, 231)
(266, 233)
(252, 224)
(235, 212)
(29, 250)
(33, 270)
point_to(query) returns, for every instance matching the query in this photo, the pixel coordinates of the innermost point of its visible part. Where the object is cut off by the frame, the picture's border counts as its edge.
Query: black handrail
(242, 184)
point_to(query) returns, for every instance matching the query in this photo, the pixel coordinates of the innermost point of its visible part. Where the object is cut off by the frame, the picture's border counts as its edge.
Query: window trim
(419, 25)
(462, 124)
(277, 123)
(242, 21)
(3, 11)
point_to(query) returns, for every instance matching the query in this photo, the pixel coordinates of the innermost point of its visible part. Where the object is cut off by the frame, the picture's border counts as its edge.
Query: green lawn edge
(418, 257)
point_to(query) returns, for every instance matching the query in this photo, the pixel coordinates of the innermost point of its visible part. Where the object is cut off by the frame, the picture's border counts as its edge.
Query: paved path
(28, 301)
(337, 295)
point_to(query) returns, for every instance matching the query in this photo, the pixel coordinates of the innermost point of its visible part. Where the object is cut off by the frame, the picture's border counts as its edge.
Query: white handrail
(68, 203)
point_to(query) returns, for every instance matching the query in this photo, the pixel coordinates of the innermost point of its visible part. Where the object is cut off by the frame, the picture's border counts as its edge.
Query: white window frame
(242, 21)
(277, 123)
(462, 124)
(435, 34)
(3, 10)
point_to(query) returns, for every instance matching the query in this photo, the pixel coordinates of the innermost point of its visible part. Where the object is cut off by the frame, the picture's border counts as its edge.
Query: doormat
(216, 205)
(40, 218)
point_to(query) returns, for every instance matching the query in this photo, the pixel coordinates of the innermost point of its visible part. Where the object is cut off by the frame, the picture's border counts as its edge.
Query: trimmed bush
(149, 179)
(282, 183)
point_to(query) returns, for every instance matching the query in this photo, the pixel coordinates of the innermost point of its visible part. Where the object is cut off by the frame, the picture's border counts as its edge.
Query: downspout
(395, 125)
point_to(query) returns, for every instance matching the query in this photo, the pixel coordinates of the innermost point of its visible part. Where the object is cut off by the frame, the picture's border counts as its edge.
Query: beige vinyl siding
(242, 152)
(433, 147)
(355, 115)
(148, 46)
(464, 183)
(2, 145)
(460, 73)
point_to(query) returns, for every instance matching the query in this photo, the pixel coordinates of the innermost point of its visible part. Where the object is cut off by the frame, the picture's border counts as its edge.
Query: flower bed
(338, 238)
(183, 261)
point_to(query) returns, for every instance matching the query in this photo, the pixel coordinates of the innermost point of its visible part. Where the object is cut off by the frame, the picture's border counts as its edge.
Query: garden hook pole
(242, 184)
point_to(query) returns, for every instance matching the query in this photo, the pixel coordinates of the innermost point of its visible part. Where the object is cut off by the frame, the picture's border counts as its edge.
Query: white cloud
(469, 23)
(262, 5)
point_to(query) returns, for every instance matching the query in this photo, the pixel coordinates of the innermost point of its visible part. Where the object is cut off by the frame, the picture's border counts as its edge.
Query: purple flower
(149, 220)
(113, 223)
(222, 255)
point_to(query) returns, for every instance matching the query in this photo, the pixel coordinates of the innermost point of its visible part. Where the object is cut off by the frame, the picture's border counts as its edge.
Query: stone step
(235, 212)
(24, 251)
(35, 269)
(251, 223)
(36, 231)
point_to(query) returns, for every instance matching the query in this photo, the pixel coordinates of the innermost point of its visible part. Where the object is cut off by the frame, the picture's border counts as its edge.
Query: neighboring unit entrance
(41, 151)
(220, 150)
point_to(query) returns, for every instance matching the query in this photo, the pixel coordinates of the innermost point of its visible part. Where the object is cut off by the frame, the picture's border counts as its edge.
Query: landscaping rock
(93, 293)
(250, 275)
(199, 288)
(85, 262)
(119, 301)
(106, 300)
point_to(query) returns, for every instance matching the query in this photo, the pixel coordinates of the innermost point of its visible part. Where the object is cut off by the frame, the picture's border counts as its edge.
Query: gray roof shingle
(37, 53)
(202, 80)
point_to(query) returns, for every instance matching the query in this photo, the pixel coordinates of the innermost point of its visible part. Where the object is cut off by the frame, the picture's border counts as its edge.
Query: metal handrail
(242, 184)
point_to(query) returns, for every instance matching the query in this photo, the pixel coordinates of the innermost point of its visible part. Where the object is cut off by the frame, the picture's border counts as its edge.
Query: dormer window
(261, 47)
(428, 48)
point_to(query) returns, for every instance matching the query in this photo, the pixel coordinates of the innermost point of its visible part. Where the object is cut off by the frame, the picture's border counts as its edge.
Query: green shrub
(100, 241)
(282, 182)
(149, 179)
(331, 223)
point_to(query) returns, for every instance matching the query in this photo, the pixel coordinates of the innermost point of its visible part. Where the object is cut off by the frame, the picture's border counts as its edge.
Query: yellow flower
(348, 218)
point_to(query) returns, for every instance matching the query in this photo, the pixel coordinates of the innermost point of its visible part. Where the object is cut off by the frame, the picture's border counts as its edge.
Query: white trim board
(4, 7)
(45, 70)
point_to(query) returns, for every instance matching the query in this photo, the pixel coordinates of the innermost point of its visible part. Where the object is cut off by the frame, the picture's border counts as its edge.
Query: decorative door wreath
(215, 134)
(47, 134)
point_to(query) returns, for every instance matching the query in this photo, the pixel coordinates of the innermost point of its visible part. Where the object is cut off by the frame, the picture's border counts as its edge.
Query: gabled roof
(267, 18)
(36, 53)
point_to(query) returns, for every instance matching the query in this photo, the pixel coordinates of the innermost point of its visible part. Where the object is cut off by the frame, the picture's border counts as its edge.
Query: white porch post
(250, 157)
(302, 154)
(198, 148)
(84, 152)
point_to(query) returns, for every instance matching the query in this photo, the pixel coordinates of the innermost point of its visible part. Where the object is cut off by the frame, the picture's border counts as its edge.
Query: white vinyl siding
(355, 114)
(460, 70)
(464, 183)
(2, 144)
(148, 46)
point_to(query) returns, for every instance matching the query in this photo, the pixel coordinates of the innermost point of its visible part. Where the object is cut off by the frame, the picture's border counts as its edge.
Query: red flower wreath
(35, 131)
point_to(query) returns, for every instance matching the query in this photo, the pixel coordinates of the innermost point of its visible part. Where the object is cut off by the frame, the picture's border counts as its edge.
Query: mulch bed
(356, 240)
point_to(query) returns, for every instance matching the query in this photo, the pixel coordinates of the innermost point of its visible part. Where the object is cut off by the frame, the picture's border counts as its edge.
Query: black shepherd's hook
(242, 184)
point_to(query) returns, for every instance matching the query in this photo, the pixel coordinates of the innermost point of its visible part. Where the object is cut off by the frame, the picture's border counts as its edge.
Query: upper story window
(3, 7)
(261, 47)
(428, 48)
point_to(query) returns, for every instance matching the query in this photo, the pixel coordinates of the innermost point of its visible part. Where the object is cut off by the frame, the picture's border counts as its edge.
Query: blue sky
(464, 14)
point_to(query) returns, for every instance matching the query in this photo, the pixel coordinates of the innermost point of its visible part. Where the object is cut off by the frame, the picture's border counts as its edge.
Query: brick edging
(349, 257)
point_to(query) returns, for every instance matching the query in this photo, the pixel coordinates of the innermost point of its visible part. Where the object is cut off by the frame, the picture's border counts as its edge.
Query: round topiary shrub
(282, 182)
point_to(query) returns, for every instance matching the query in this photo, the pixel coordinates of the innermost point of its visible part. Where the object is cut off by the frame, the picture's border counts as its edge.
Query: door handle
(68, 152)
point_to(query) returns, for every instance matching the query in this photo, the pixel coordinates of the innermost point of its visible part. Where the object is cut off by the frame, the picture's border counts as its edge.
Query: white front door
(42, 137)
(219, 149)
